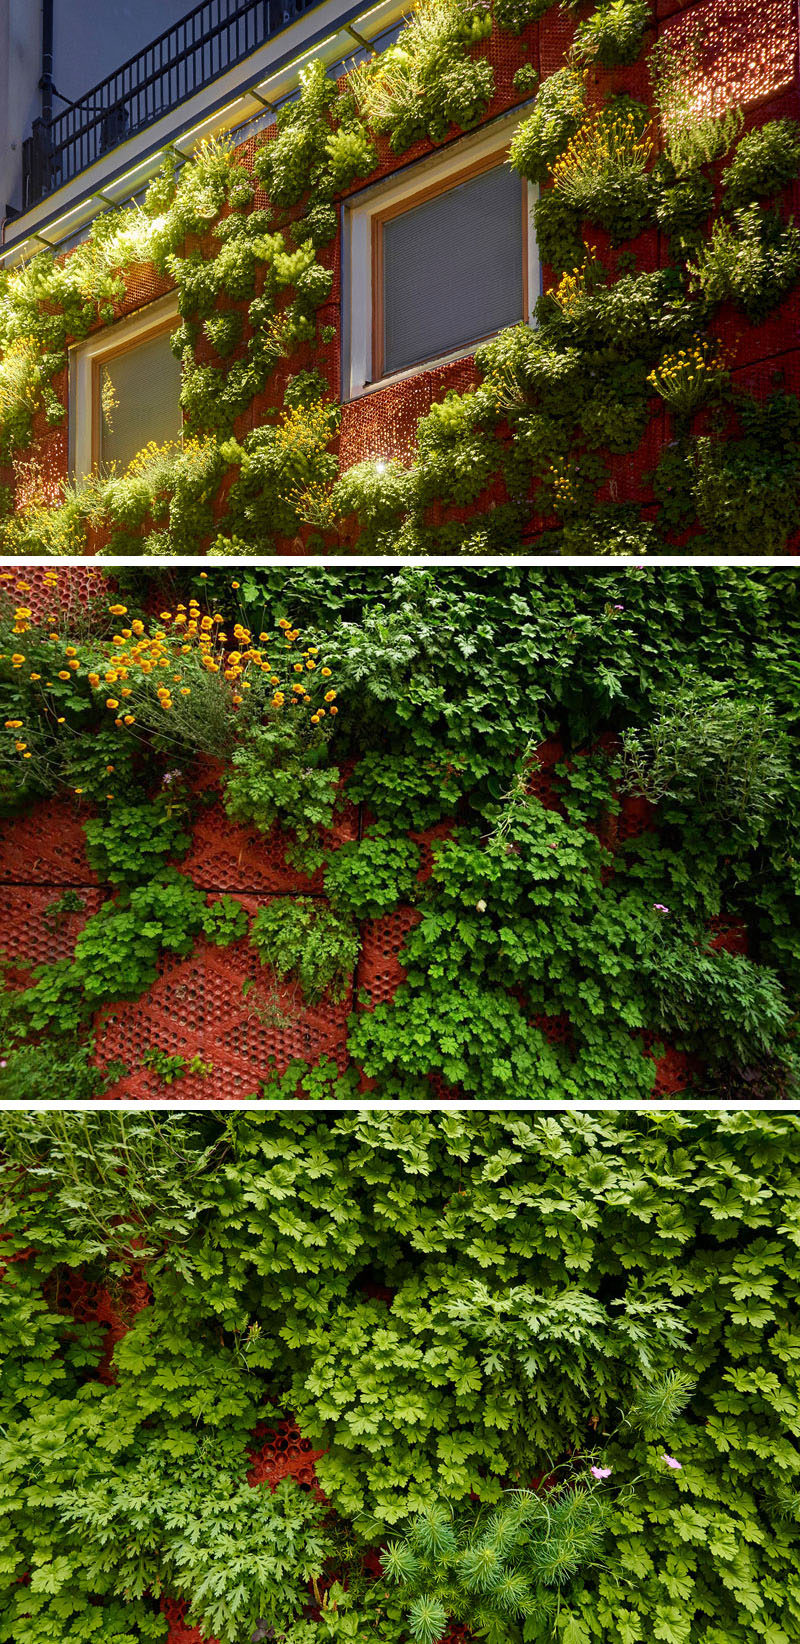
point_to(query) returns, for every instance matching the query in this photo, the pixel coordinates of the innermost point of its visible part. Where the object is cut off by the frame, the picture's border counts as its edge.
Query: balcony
(211, 39)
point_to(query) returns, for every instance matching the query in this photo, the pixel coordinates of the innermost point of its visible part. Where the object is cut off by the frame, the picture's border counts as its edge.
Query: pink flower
(660, 907)
(600, 1472)
(677, 1466)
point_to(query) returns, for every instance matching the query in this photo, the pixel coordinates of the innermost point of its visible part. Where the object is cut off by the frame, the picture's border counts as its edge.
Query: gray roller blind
(452, 269)
(139, 399)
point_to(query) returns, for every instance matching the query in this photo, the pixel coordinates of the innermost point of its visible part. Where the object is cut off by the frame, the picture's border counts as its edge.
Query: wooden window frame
(488, 162)
(365, 217)
(87, 360)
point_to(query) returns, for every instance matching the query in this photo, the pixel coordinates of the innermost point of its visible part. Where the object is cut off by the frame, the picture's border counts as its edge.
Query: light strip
(148, 166)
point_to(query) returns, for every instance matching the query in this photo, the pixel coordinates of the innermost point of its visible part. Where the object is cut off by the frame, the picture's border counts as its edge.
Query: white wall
(20, 67)
(90, 40)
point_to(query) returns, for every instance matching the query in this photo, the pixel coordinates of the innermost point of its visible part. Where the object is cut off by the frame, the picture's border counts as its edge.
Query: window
(124, 391)
(439, 259)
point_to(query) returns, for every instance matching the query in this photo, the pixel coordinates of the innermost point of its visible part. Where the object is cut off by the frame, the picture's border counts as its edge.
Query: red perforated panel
(728, 935)
(46, 846)
(383, 424)
(282, 1452)
(226, 856)
(380, 972)
(179, 1631)
(429, 841)
(30, 936)
(69, 1291)
(748, 50)
(197, 1007)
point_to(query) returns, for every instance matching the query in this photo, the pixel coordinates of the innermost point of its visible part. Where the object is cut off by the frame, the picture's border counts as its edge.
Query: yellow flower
(330, 696)
(111, 702)
(326, 673)
(119, 610)
(128, 719)
(13, 724)
(20, 745)
(64, 673)
(334, 710)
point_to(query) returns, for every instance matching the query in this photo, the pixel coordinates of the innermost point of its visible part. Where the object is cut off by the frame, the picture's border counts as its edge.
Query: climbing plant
(545, 1365)
(574, 802)
(554, 404)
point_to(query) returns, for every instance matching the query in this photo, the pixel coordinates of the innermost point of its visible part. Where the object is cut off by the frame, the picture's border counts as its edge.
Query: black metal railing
(212, 38)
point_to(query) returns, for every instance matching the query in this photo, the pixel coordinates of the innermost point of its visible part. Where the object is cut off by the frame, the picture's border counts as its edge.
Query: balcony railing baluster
(212, 38)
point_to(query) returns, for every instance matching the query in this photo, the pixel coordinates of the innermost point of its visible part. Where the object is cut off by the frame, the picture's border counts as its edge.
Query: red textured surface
(87, 1302)
(29, 937)
(197, 1007)
(179, 1630)
(556, 1029)
(380, 971)
(728, 935)
(282, 1452)
(673, 1072)
(556, 34)
(73, 592)
(45, 846)
(636, 817)
(429, 841)
(748, 50)
(230, 856)
(227, 856)
(383, 424)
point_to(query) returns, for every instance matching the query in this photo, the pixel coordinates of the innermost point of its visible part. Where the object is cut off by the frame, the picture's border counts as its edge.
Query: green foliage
(116, 954)
(368, 878)
(280, 777)
(516, 15)
(301, 938)
(613, 33)
(428, 82)
(169, 1068)
(721, 1004)
(752, 261)
(225, 921)
(530, 972)
(502, 1568)
(54, 1071)
(727, 757)
(543, 1272)
(134, 842)
(766, 161)
(747, 489)
(538, 141)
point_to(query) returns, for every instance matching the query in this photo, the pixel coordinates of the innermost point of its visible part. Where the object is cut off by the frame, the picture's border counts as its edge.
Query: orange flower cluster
(137, 669)
(185, 633)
